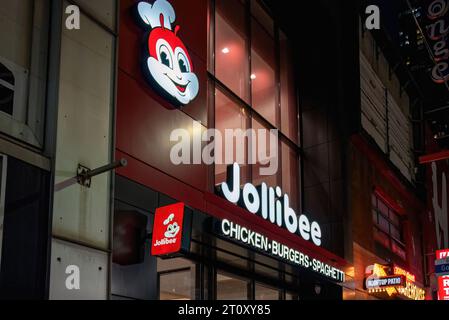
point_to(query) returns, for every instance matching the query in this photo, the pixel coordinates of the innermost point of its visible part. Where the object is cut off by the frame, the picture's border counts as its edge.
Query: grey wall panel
(84, 133)
(93, 267)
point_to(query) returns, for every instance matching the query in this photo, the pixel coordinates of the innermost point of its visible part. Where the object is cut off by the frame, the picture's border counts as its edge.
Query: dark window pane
(262, 17)
(265, 293)
(394, 218)
(230, 288)
(381, 238)
(374, 212)
(289, 107)
(6, 100)
(7, 82)
(6, 75)
(290, 174)
(395, 232)
(382, 208)
(383, 224)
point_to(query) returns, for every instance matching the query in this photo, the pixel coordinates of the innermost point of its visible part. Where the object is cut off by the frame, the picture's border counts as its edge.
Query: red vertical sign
(443, 282)
(167, 230)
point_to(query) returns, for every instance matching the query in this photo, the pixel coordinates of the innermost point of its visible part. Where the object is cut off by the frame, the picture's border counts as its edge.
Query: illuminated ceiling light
(253, 77)
(225, 50)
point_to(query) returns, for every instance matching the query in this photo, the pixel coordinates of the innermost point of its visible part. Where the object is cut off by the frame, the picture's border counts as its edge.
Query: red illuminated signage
(443, 282)
(166, 64)
(380, 280)
(409, 276)
(168, 230)
(441, 254)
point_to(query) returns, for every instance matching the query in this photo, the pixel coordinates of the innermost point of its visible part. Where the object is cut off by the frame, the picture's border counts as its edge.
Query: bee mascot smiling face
(167, 64)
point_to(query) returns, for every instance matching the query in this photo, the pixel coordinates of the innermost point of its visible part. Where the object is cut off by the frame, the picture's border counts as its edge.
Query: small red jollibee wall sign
(171, 231)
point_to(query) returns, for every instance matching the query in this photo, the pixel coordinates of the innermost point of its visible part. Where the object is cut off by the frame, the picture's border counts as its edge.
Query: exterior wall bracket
(84, 175)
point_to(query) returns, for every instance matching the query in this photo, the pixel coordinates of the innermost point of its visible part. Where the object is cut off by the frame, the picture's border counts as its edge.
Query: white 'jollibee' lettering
(270, 204)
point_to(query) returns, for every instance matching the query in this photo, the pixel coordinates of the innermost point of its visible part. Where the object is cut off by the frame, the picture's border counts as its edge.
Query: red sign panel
(443, 282)
(167, 230)
(443, 288)
(441, 254)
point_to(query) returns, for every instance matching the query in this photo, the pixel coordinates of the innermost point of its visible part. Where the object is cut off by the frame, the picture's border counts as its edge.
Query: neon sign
(270, 204)
(437, 33)
(408, 275)
(381, 279)
(166, 63)
(443, 281)
(278, 250)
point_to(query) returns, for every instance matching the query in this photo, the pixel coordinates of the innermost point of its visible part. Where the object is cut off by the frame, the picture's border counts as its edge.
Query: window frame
(247, 106)
(27, 123)
(392, 240)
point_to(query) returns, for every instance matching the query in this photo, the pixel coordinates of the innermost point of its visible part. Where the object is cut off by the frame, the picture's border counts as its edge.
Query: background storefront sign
(399, 271)
(442, 267)
(437, 29)
(443, 281)
(382, 282)
(171, 234)
(377, 282)
(261, 243)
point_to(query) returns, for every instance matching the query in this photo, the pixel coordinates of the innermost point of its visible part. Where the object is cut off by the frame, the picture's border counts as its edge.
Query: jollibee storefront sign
(270, 204)
(255, 240)
(167, 238)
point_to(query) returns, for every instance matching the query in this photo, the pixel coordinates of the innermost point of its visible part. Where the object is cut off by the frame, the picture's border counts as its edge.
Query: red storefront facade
(144, 121)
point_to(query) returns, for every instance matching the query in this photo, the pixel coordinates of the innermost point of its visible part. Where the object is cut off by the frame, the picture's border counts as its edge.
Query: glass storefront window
(229, 115)
(231, 41)
(263, 71)
(265, 156)
(175, 286)
(289, 110)
(269, 102)
(291, 296)
(231, 288)
(176, 279)
(290, 174)
(263, 292)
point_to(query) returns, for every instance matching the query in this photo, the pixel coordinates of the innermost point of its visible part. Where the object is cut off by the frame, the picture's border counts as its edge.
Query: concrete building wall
(82, 215)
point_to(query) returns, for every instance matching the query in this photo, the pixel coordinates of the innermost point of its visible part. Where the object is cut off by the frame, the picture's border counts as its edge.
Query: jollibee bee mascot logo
(166, 63)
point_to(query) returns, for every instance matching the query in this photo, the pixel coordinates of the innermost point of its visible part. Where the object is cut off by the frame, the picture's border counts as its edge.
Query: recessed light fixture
(225, 50)
(253, 77)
